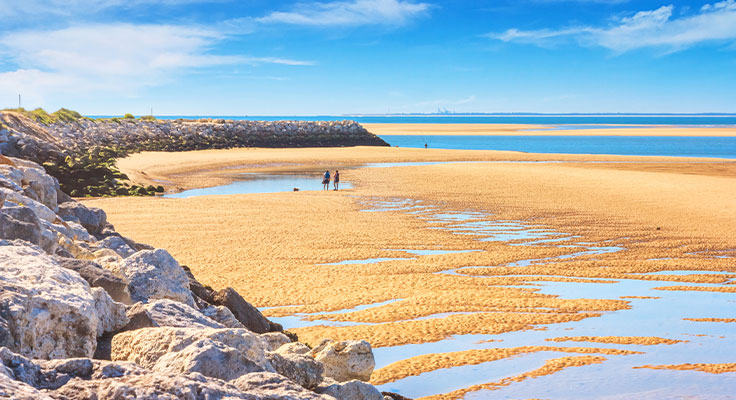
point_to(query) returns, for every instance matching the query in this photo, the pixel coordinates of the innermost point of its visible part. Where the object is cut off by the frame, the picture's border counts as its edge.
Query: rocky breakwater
(131, 135)
(81, 153)
(86, 313)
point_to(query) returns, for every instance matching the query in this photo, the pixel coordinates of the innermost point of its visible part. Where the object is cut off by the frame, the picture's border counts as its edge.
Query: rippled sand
(653, 220)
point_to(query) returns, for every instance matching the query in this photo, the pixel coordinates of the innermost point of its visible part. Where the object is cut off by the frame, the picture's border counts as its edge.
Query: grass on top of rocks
(40, 115)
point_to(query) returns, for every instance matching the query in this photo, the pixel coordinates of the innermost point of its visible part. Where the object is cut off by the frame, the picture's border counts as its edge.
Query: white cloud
(645, 29)
(346, 13)
(37, 8)
(114, 59)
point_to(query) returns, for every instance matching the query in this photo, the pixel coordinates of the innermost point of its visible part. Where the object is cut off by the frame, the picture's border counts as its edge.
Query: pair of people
(326, 180)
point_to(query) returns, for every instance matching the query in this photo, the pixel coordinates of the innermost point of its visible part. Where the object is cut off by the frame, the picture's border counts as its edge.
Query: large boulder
(209, 358)
(243, 311)
(145, 346)
(353, 390)
(154, 274)
(268, 385)
(46, 311)
(93, 219)
(96, 276)
(165, 312)
(345, 361)
(302, 369)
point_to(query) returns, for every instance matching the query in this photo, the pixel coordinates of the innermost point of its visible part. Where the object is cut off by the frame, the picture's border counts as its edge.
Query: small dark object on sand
(296, 189)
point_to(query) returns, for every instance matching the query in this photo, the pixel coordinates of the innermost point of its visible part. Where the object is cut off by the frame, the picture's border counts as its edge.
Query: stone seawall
(182, 135)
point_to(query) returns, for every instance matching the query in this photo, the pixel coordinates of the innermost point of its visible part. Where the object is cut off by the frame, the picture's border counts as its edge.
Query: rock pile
(86, 313)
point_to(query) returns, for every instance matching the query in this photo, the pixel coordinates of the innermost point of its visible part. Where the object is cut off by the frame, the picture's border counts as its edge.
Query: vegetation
(148, 118)
(40, 115)
(129, 116)
(95, 174)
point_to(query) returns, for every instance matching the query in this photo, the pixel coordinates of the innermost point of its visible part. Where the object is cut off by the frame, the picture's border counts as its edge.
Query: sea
(676, 146)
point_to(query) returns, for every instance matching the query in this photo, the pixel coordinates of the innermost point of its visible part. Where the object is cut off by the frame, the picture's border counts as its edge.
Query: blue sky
(257, 57)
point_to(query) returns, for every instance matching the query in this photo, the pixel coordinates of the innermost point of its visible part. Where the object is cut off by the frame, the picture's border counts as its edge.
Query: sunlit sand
(623, 220)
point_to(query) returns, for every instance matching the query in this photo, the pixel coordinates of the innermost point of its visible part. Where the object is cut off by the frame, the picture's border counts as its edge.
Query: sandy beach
(627, 222)
(544, 130)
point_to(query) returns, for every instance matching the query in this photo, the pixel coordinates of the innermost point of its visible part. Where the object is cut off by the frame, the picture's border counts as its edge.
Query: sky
(263, 57)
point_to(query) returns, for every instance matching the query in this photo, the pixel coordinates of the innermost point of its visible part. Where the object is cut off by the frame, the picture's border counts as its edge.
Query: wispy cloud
(349, 13)
(645, 29)
(71, 7)
(116, 59)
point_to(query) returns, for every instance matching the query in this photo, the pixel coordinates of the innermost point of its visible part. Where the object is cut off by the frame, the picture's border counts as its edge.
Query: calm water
(720, 147)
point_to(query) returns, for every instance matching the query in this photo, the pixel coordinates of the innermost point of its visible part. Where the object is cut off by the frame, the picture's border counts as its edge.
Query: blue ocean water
(675, 146)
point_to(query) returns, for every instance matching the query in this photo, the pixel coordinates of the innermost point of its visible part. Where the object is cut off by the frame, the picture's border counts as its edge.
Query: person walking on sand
(326, 180)
(336, 179)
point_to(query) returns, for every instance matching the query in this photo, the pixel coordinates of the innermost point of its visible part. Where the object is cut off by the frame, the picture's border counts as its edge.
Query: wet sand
(655, 216)
(544, 130)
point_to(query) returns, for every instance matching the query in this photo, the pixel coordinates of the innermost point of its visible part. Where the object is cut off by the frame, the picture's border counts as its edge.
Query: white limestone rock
(48, 311)
(154, 274)
(165, 312)
(353, 390)
(209, 358)
(278, 339)
(293, 348)
(224, 316)
(118, 245)
(346, 360)
(145, 346)
(268, 385)
(110, 314)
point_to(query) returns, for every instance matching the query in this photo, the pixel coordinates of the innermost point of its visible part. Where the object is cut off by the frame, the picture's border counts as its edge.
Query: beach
(482, 249)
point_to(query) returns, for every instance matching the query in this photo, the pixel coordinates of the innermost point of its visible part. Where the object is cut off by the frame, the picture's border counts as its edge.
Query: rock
(145, 346)
(393, 396)
(165, 312)
(110, 314)
(152, 386)
(209, 358)
(344, 361)
(353, 390)
(40, 183)
(302, 369)
(20, 223)
(41, 211)
(47, 311)
(92, 219)
(223, 315)
(118, 245)
(243, 311)
(16, 390)
(203, 292)
(271, 386)
(96, 276)
(294, 348)
(154, 274)
(277, 339)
